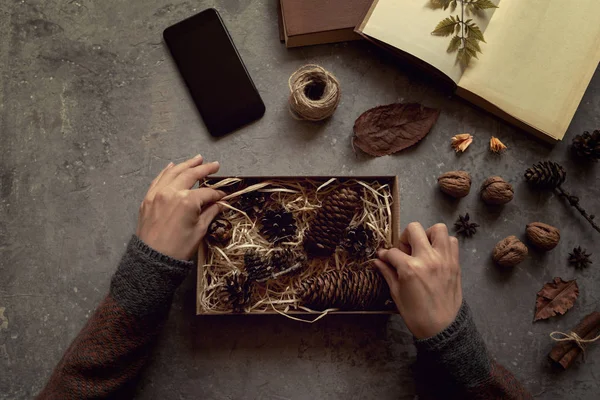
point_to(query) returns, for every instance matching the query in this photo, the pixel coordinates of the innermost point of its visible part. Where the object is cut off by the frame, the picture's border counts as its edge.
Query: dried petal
(496, 145)
(461, 142)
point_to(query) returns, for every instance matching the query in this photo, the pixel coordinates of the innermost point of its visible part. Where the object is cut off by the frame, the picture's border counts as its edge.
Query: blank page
(539, 59)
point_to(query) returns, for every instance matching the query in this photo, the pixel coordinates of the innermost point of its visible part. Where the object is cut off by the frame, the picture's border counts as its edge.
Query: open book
(534, 66)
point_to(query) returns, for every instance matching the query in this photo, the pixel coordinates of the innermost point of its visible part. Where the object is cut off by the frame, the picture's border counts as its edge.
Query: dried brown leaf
(388, 129)
(556, 297)
(461, 142)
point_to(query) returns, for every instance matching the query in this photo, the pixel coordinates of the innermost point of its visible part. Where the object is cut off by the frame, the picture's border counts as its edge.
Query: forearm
(115, 344)
(455, 364)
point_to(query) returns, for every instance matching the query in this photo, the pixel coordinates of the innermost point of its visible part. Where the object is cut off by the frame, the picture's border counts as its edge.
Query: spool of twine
(314, 93)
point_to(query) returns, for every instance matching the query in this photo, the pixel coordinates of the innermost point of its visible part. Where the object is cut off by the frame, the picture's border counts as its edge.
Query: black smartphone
(214, 72)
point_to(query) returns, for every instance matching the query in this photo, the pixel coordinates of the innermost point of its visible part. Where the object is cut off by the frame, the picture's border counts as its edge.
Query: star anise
(464, 227)
(580, 258)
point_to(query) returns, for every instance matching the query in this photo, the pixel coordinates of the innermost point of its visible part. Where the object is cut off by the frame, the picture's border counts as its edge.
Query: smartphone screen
(214, 72)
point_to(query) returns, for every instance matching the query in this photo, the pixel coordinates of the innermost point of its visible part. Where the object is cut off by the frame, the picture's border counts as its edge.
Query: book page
(539, 58)
(407, 26)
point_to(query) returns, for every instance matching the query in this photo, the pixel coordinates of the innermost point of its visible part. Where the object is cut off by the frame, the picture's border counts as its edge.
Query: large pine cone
(331, 221)
(345, 289)
(546, 175)
(587, 146)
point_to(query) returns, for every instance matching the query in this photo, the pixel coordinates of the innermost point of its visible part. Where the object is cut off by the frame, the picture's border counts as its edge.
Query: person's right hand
(174, 217)
(424, 278)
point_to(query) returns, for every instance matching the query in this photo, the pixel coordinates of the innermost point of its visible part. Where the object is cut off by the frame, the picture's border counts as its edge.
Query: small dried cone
(219, 232)
(461, 142)
(331, 221)
(496, 146)
(235, 292)
(345, 289)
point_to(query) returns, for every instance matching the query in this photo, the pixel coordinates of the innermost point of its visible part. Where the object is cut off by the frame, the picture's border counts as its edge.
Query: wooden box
(393, 183)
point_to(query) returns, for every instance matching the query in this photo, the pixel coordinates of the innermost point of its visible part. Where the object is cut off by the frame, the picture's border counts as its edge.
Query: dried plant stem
(574, 202)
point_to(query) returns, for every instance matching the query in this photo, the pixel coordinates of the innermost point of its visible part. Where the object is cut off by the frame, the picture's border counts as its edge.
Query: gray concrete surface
(92, 107)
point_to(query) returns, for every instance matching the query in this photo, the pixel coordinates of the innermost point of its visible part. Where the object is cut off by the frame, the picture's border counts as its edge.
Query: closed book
(309, 22)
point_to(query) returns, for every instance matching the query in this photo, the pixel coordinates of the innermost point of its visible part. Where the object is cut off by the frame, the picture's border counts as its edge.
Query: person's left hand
(173, 217)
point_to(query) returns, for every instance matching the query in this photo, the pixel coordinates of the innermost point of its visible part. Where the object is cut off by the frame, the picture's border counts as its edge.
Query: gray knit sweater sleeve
(146, 279)
(455, 364)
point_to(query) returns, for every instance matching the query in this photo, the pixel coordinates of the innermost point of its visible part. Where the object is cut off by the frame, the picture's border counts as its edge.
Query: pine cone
(587, 146)
(235, 292)
(328, 227)
(546, 175)
(219, 232)
(251, 203)
(284, 261)
(278, 226)
(359, 242)
(257, 268)
(345, 289)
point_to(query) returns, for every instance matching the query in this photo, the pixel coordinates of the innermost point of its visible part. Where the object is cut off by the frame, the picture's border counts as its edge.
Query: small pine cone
(360, 242)
(235, 292)
(278, 226)
(546, 175)
(284, 261)
(257, 268)
(331, 221)
(587, 146)
(219, 232)
(251, 203)
(345, 289)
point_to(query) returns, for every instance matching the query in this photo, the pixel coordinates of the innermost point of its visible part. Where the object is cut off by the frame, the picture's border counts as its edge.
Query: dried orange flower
(496, 145)
(461, 142)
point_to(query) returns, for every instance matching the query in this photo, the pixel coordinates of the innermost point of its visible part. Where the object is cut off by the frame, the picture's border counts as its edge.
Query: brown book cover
(309, 22)
(527, 72)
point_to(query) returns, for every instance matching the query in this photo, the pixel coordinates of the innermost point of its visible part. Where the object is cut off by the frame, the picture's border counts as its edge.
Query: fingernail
(170, 165)
(216, 162)
(197, 156)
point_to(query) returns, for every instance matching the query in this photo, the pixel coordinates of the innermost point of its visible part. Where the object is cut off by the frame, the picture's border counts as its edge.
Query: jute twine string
(314, 93)
(573, 337)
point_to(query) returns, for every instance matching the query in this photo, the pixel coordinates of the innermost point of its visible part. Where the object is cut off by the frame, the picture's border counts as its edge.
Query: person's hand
(424, 278)
(173, 217)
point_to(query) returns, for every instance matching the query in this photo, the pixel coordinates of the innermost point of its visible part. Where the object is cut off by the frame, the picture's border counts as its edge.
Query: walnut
(509, 252)
(543, 236)
(455, 183)
(496, 191)
(219, 232)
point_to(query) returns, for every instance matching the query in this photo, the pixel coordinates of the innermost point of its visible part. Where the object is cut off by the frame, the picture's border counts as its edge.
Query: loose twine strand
(573, 337)
(304, 107)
